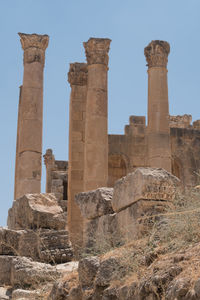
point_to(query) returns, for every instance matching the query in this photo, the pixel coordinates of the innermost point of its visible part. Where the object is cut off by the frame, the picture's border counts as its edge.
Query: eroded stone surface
(87, 270)
(5, 270)
(35, 211)
(25, 272)
(45, 245)
(137, 219)
(101, 234)
(20, 294)
(144, 183)
(95, 203)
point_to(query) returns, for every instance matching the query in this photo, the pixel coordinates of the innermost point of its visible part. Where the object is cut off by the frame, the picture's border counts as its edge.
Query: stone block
(108, 270)
(144, 183)
(136, 220)
(9, 241)
(95, 203)
(87, 270)
(77, 115)
(33, 211)
(25, 294)
(101, 234)
(5, 270)
(57, 182)
(25, 272)
(77, 136)
(49, 246)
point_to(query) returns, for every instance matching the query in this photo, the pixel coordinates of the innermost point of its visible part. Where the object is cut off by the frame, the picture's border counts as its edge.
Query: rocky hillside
(144, 247)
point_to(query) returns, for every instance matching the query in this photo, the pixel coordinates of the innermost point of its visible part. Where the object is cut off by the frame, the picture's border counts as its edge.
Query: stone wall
(185, 144)
(180, 121)
(129, 151)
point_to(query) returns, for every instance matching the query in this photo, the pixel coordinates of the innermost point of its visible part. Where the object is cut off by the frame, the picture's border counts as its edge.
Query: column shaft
(96, 124)
(77, 78)
(159, 150)
(29, 141)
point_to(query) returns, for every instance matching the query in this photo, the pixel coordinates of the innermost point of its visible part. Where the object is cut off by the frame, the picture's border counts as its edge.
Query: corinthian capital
(157, 54)
(96, 51)
(77, 74)
(34, 40)
(34, 47)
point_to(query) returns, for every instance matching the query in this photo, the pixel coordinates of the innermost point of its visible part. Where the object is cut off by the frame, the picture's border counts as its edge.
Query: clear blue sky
(131, 24)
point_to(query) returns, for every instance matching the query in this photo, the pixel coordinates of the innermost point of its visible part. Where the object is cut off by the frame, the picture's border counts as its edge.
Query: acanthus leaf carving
(77, 74)
(96, 50)
(157, 54)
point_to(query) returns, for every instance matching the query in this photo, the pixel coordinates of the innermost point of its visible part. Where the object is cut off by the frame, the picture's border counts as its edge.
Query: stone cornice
(157, 54)
(34, 40)
(96, 50)
(77, 74)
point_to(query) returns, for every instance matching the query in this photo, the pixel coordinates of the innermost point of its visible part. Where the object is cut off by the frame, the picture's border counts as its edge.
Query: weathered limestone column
(29, 139)
(96, 127)
(159, 152)
(77, 78)
(49, 161)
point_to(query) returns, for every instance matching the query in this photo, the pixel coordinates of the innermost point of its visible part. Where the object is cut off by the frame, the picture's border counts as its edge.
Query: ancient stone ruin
(109, 191)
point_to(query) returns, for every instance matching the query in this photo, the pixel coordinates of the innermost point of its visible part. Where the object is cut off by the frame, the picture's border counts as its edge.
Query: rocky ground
(157, 257)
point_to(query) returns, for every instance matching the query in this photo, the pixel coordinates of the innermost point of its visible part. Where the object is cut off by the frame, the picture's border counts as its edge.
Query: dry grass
(179, 227)
(172, 232)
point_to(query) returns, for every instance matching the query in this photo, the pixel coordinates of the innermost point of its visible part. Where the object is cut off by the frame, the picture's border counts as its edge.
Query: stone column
(49, 161)
(77, 78)
(96, 131)
(159, 151)
(29, 139)
(17, 143)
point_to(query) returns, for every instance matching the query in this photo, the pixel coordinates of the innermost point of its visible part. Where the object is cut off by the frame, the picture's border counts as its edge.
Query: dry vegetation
(169, 235)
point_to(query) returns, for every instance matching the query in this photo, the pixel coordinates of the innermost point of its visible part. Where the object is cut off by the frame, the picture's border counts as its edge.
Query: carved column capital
(96, 51)
(49, 158)
(34, 47)
(77, 74)
(157, 54)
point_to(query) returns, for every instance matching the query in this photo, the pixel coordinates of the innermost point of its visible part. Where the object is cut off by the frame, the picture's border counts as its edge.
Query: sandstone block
(9, 241)
(144, 183)
(109, 270)
(25, 294)
(34, 211)
(25, 272)
(61, 289)
(49, 246)
(87, 270)
(101, 234)
(5, 269)
(136, 220)
(95, 203)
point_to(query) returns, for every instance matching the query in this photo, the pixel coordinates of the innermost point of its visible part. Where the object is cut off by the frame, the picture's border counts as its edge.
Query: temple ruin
(96, 158)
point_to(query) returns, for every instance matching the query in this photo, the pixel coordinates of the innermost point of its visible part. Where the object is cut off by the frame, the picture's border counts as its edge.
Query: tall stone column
(158, 131)
(49, 161)
(29, 139)
(96, 127)
(77, 78)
